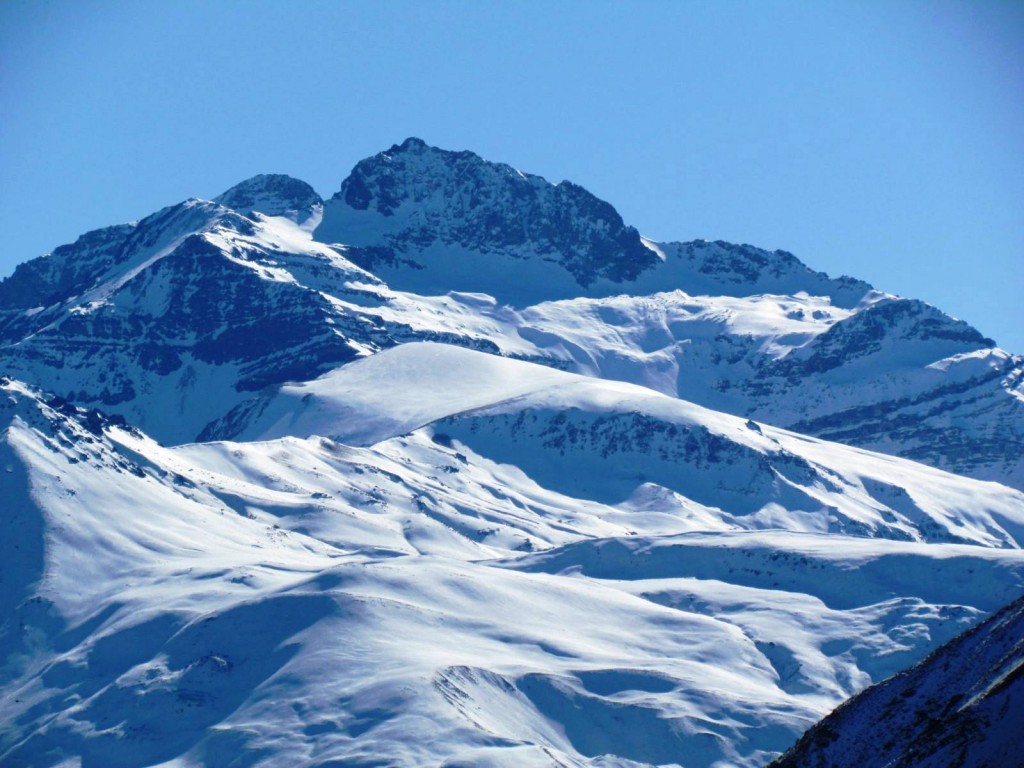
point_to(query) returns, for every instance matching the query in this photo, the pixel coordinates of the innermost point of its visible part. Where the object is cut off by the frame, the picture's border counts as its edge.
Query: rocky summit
(957, 707)
(427, 217)
(456, 468)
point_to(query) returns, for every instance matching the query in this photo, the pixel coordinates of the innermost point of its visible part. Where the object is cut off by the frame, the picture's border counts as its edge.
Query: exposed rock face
(923, 333)
(413, 200)
(962, 706)
(900, 377)
(70, 269)
(726, 269)
(174, 322)
(272, 195)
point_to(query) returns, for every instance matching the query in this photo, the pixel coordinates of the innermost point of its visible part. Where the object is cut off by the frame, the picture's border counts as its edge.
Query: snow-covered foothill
(619, 443)
(299, 601)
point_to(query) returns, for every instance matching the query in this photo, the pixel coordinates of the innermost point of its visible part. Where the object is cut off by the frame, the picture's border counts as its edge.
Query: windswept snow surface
(450, 590)
(619, 443)
(397, 391)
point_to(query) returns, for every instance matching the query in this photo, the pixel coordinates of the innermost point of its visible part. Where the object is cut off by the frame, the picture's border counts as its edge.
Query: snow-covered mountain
(960, 706)
(429, 218)
(455, 468)
(425, 219)
(611, 442)
(174, 320)
(501, 564)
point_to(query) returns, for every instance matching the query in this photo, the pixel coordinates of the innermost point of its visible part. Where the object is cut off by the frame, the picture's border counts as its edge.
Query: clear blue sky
(880, 139)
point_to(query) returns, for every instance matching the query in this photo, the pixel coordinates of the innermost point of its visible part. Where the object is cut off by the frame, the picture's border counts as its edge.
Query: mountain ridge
(848, 363)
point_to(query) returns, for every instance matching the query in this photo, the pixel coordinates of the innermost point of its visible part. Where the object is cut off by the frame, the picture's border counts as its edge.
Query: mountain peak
(272, 194)
(411, 172)
(411, 144)
(454, 221)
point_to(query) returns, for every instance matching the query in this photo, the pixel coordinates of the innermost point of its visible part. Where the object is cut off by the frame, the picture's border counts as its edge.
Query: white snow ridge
(456, 469)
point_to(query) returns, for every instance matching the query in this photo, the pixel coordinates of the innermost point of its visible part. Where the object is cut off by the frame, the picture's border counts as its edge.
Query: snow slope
(611, 441)
(433, 598)
(892, 374)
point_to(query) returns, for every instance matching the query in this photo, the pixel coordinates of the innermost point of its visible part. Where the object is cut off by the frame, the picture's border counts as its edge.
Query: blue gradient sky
(879, 139)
